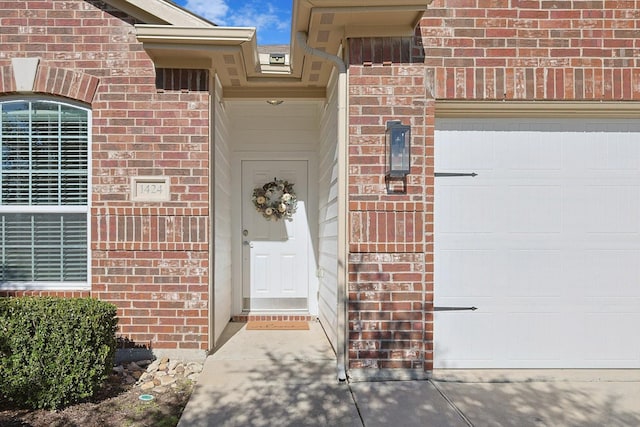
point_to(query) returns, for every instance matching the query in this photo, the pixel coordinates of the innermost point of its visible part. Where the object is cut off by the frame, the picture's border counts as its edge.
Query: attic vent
(276, 59)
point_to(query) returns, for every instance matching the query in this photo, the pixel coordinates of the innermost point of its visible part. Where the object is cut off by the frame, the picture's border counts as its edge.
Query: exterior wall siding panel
(328, 216)
(223, 215)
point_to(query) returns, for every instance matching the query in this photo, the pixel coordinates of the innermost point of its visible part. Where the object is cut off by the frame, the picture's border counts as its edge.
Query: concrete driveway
(522, 404)
(288, 378)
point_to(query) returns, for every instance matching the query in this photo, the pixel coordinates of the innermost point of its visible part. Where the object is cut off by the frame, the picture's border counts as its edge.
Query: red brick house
(135, 133)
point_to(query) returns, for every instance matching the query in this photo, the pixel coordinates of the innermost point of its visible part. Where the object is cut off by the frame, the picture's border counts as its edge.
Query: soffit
(233, 53)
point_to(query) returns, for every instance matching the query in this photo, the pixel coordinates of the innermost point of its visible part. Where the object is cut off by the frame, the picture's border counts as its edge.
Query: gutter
(342, 332)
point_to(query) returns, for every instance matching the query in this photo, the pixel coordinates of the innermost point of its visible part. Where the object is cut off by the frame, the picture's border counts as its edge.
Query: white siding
(328, 215)
(222, 212)
(260, 127)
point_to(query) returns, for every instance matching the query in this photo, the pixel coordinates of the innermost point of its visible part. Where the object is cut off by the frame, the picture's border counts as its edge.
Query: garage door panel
(610, 273)
(456, 266)
(481, 218)
(545, 241)
(532, 152)
(604, 345)
(615, 209)
(533, 209)
(469, 332)
(613, 150)
(464, 154)
(532, 273)
(535, 340)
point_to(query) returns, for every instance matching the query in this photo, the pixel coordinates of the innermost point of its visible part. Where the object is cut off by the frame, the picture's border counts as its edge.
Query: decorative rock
(159, 375)
(153, 367)
(147, 386)
(167, 380)
(195, 367)
(146, 377)
(164, 363)
(133, 366)
(144, 363)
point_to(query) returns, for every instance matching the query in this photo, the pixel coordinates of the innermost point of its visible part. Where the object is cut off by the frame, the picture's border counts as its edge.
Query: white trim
(45, 286)
(537, 109)
(159, 11)
(44, 209)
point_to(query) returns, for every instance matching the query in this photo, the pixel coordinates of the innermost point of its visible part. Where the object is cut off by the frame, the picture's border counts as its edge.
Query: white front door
(275, 254)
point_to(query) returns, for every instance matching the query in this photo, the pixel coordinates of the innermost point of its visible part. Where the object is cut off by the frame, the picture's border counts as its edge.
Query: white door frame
(236, 222)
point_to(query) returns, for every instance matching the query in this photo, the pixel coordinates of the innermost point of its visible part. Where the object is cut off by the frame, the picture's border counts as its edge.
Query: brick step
(282, 317)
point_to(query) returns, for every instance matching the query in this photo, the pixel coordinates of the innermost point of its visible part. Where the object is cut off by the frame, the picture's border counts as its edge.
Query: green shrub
(54, 351)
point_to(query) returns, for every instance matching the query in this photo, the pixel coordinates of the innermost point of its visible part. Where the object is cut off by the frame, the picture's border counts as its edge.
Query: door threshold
(282, 317)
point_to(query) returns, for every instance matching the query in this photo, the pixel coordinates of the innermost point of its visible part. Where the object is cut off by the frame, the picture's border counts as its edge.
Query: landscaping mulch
(117, 404)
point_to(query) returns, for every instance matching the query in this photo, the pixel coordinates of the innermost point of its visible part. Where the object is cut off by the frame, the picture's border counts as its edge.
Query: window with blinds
(44, 202)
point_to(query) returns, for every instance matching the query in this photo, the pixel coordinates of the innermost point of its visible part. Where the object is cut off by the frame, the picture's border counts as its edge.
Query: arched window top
(44, 152)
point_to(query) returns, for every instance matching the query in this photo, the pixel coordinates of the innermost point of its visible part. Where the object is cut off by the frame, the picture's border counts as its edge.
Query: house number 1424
(150, 189)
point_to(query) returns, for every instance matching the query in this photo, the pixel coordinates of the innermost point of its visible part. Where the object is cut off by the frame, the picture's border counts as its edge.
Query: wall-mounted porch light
(398, 152)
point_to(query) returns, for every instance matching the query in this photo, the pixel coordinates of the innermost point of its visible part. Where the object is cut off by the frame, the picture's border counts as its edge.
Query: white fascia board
(169, 34)
(160, 11)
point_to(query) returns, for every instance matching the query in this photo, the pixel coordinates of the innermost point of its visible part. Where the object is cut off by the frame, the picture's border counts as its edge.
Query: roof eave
(160, 12)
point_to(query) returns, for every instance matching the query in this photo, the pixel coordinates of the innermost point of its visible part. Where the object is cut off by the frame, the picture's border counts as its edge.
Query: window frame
(55, 209)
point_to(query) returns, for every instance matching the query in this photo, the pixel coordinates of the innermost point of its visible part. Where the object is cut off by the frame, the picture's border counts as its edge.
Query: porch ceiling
(232, 52)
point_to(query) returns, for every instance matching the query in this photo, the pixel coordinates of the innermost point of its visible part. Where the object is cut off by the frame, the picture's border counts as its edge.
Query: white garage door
(545, 242)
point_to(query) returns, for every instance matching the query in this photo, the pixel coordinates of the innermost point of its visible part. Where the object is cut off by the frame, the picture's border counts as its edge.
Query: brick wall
(463, 50)
(390, 290)
(532, 49)
(150, 259)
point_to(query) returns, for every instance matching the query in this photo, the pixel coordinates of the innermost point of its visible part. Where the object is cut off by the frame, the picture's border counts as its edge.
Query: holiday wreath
(275, 199)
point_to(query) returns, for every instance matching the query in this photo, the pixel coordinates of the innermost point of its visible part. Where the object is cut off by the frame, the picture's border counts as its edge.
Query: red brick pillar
(390, 235)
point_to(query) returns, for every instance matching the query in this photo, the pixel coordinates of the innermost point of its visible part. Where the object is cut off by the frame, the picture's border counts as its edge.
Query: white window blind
(44, 203)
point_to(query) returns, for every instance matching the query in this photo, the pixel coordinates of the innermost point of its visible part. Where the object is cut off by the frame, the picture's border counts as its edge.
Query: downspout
(342, 332)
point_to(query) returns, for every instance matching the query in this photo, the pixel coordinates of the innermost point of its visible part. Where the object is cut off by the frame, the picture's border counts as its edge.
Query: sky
(272, 18)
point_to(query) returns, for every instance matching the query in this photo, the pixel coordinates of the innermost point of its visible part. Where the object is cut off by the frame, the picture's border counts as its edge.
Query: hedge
(53, 351)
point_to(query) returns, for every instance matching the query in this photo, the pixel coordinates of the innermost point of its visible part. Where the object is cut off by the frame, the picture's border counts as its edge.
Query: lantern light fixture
(398, 149)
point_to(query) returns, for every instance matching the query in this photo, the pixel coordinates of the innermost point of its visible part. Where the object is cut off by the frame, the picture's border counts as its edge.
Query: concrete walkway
(288, 378)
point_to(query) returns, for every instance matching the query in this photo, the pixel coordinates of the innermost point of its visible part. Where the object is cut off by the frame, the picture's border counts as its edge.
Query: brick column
(390, 235)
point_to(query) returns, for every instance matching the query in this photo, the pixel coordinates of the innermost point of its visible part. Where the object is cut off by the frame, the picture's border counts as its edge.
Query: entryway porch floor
(272, 377)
